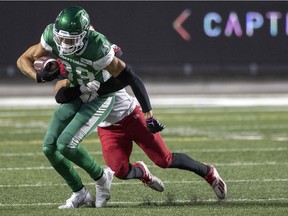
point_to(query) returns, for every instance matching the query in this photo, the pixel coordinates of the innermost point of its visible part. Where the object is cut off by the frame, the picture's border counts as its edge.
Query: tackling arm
(65, 94)
(124, 76)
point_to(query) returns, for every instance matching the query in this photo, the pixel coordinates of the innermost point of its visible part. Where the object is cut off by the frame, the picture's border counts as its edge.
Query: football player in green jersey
(85, 53)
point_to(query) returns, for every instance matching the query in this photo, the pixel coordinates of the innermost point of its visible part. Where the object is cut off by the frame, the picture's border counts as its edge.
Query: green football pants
(70, 124)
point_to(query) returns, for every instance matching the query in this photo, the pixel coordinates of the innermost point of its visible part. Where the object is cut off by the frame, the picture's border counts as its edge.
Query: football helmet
(70, 29)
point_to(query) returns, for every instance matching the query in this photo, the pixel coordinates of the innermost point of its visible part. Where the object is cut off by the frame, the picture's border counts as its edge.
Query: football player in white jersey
(126, 124)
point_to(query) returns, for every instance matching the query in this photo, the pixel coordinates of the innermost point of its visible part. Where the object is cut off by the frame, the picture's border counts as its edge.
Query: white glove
(90, 87)
(87, 97)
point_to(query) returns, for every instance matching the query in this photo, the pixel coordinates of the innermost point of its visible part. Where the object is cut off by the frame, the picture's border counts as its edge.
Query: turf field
(248, 145)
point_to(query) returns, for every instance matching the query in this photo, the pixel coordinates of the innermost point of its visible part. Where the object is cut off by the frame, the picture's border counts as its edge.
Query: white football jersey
(123, 106)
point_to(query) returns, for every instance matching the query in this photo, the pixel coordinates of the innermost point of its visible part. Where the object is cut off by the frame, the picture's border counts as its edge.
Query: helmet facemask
(68, 44)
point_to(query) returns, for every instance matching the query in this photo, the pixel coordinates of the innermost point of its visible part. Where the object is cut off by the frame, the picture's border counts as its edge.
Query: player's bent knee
(120, 175)
(165, 162)
(162, 164)
(48, 152)
(66, 143)
(121, 170)
(53, 156)
(49, 146)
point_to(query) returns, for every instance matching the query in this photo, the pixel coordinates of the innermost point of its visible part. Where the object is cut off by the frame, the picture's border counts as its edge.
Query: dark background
(145, 32)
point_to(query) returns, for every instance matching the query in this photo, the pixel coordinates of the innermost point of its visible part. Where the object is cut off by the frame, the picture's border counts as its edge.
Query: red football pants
(117, 143)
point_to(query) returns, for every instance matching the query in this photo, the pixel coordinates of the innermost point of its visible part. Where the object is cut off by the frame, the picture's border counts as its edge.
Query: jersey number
(84, 76)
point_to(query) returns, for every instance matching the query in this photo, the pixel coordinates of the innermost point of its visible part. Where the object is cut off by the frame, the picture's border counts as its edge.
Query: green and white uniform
(73, 121)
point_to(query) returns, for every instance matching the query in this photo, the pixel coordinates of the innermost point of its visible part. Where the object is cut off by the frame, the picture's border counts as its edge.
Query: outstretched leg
(183, 161)
(155, 148)
(208, 172)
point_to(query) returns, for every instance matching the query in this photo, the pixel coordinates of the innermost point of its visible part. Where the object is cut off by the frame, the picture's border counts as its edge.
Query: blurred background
(179, 47)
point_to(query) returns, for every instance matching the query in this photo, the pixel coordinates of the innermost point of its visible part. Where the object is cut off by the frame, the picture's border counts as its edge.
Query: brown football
(40, 63)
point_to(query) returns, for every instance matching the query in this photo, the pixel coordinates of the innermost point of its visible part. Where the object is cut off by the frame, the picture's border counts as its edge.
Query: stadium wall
(167, 39)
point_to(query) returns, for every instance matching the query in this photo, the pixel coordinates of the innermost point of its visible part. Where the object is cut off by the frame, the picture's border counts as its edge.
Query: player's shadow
(222, 204)
(194, 201)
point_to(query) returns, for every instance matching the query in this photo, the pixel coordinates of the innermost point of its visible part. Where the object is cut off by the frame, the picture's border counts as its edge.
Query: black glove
(47, 75)
(154, 125)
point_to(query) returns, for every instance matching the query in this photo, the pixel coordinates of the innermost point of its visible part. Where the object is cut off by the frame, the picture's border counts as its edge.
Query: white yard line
(217, 150)
(265, 163)
(215, 101)
(169, 101)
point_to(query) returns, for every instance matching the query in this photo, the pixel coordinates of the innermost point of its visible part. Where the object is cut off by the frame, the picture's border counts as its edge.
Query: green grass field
(248, 146)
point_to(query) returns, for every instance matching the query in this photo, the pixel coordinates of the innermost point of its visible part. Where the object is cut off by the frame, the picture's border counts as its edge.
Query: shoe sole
(156, 185)
(221, 186)
(109, 174)
(88, 201)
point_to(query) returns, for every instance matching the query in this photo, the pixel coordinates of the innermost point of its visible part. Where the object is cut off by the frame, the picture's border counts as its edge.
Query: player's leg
(156, 149)
(84, 122)
(185, 162)
(116, 149)
(151, 144)
(61, 117)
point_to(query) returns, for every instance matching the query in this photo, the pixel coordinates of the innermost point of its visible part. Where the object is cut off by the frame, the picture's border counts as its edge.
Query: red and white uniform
(126, 124)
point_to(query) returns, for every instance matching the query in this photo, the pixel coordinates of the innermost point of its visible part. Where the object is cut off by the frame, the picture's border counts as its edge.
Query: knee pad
(48, 151)
(53, 156)
(66, 143)
(49, 146)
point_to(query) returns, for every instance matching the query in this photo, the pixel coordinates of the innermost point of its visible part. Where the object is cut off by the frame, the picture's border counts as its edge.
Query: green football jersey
(87, 64)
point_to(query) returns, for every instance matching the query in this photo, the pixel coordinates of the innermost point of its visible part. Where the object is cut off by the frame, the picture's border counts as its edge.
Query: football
(40, 63)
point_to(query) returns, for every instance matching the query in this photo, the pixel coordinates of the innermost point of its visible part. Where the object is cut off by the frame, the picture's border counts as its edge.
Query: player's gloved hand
(47, 75)
(117, 50)
(154, 125)
(87, 97)
(91, 87)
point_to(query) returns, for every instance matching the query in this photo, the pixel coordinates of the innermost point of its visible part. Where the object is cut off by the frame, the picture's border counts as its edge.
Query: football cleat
(216, 182)
(83, 197)
(148, 179)
(103, 186)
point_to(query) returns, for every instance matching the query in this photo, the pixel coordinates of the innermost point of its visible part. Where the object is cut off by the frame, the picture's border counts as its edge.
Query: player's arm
(25, 61)
(64, 84)
(124, 76)
(64, 94)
